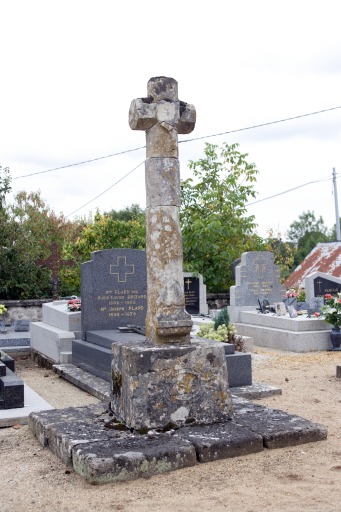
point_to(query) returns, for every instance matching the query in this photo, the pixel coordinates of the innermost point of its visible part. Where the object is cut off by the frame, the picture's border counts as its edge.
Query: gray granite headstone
(316, 304)
(113, 289)
(318, 284)
(22, 325)
(257, 278)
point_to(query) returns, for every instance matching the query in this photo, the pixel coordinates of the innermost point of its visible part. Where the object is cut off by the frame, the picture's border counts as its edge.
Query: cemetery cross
(162, 116)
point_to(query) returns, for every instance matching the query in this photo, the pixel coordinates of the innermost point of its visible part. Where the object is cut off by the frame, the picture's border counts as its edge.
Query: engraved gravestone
(114, 290)
(195, 294)
(318, 284)
(257, 278)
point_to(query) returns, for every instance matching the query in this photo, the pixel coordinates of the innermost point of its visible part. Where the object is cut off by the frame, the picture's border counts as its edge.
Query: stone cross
(55, 263)
(162, 116)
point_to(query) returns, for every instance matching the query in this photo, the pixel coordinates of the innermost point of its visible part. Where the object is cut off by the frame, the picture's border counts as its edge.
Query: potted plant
(332, 315)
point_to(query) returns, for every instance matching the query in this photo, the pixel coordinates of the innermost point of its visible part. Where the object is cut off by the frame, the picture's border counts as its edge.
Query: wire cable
(181, 141)
(104, 191)
(287, 191)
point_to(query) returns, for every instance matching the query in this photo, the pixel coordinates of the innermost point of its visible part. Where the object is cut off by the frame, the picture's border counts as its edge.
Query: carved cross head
(162, 107)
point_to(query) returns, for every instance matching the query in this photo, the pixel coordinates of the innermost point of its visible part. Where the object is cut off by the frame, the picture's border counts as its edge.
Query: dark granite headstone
(192, 295)
(323, 286)
(114, 289)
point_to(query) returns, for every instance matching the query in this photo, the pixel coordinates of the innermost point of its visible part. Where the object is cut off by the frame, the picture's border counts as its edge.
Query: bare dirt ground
(300, 478)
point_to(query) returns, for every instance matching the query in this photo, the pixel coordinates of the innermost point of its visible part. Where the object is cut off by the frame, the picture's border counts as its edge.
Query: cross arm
(142, 114)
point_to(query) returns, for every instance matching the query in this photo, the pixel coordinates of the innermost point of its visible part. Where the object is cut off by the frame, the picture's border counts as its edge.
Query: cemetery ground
(306, 477)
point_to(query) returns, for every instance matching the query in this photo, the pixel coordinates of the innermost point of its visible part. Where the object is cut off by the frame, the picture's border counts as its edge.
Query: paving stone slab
(40, 422)
(221, 441)
(278, 428)
(127, 459)
(87, 381)
(256, 391)
(63, 437)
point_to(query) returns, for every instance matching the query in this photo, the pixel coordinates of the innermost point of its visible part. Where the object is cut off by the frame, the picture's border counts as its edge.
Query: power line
(104, 191)
(80, 163)
(287, 191)
(182, 141)
(263, 124)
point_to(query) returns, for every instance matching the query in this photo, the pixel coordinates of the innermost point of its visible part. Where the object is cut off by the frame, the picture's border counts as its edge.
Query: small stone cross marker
(54, 263)
(162, 116)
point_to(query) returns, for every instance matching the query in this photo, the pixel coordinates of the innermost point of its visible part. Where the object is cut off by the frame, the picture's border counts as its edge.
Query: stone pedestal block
(56, 314)
(164, 386)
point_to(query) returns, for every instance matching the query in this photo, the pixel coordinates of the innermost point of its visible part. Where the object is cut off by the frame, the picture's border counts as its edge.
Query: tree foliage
(29, 228)
(215, 226)
(305, 234)
(284, 252)
(106, 232)
(306, 223)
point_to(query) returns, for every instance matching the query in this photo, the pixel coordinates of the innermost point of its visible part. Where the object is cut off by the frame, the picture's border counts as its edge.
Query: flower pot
(335, 337)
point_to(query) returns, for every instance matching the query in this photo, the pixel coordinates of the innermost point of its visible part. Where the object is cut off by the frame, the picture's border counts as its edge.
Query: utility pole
(337, 223)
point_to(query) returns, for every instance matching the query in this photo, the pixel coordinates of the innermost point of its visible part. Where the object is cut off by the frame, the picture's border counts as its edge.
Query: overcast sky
(69, 70)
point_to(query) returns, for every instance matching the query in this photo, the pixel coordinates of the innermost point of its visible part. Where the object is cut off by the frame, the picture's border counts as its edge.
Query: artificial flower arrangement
(74, 305)
(332, 309)
(299, 293)
(2, 309)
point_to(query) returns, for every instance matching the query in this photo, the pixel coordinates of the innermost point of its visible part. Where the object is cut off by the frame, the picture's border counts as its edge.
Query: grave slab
(278, 428)
(121, 460)
(221, 441)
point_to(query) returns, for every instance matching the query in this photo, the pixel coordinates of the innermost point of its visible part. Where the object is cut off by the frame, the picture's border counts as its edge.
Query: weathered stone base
(154, 386)
(102, 451)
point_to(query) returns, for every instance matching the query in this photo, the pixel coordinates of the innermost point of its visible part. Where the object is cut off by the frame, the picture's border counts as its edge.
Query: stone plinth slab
(153, 386)
(279, 339)
(128, 459)
(51, 342)
(299, 324)
(221, 441)
(41, 422)
(86, 439)
(278, 428)
(56, 314)
(96, 386)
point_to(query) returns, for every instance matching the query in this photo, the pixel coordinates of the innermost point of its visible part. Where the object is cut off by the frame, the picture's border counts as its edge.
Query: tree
(307, 223)
(5, 185)
(215, 227)
(306, 233)
(105, 232)
(307, 243)
(132, 212)
(284, 253)
(29, 228)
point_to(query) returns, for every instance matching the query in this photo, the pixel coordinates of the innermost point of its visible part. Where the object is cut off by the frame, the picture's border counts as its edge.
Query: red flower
(316, 314)
(328, 296)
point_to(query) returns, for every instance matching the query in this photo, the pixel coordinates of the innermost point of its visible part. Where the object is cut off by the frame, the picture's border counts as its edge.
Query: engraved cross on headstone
(121, 269)
(162, 116)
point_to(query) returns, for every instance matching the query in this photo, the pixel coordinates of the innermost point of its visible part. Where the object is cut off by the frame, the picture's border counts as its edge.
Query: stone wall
(30, 309)
(218, 300)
